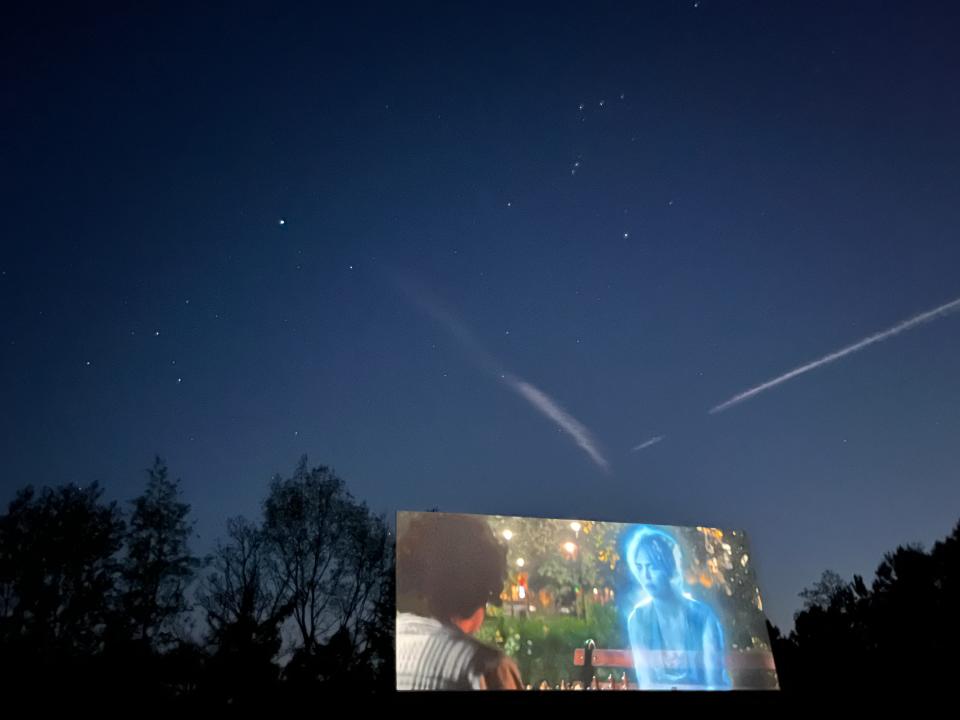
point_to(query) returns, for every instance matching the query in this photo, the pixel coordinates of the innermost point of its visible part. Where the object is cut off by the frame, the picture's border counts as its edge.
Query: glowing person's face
(654, 578)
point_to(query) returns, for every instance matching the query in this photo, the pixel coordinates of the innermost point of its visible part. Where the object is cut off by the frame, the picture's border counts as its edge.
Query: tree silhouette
(899, 632)
(331, 556)
(244, 612)
(58, 575)
(158, 564)
(85, 596)
(378, 657)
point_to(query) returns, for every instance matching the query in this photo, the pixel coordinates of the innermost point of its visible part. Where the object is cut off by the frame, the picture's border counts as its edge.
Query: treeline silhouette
(901, 631)
(103, 602)
(99, 601)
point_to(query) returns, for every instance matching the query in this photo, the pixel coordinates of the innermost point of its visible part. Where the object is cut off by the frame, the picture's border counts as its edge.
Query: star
(282, 221)
(179, 380)
(350, 267)
(88, 363)
(626, 235)
(156, 333)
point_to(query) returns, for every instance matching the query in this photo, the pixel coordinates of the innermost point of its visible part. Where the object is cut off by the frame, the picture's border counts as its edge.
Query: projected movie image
(517, 603)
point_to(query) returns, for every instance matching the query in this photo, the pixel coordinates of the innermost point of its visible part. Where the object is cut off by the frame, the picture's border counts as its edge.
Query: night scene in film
(401, 350)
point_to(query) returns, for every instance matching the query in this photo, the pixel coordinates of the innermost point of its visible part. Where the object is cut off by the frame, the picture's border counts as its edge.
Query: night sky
(398, 238)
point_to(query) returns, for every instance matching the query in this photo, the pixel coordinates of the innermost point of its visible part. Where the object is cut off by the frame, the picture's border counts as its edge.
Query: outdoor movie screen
(495, 602)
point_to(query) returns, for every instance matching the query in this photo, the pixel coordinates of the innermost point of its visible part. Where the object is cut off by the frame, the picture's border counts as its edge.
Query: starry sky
(471, 257)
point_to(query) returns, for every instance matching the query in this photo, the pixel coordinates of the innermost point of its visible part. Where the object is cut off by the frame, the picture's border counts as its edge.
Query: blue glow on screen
(676, 640)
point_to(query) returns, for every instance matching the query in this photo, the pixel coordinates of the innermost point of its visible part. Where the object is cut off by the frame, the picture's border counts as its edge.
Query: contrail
(826, 359)
(648, 443)
(491, 365)
(432, 306)
(570, 425)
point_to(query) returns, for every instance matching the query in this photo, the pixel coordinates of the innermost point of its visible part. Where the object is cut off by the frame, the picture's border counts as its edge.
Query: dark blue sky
(747, 187)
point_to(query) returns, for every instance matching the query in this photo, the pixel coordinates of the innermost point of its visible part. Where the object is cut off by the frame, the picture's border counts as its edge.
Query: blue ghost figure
(677, 641)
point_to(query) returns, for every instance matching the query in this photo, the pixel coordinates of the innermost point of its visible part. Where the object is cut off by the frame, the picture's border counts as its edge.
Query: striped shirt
(435, 656)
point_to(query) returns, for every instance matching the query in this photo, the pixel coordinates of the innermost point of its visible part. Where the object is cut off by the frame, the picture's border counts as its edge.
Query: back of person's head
(448, 566)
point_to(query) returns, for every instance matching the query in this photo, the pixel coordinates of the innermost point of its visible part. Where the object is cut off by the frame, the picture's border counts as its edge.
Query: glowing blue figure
(677, 641)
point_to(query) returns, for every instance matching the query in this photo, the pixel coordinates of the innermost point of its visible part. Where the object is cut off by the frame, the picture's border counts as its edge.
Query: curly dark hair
(448, 566)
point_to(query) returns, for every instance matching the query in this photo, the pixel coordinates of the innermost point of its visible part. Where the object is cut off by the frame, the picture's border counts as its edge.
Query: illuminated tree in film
(719, 569)
(561, 561)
